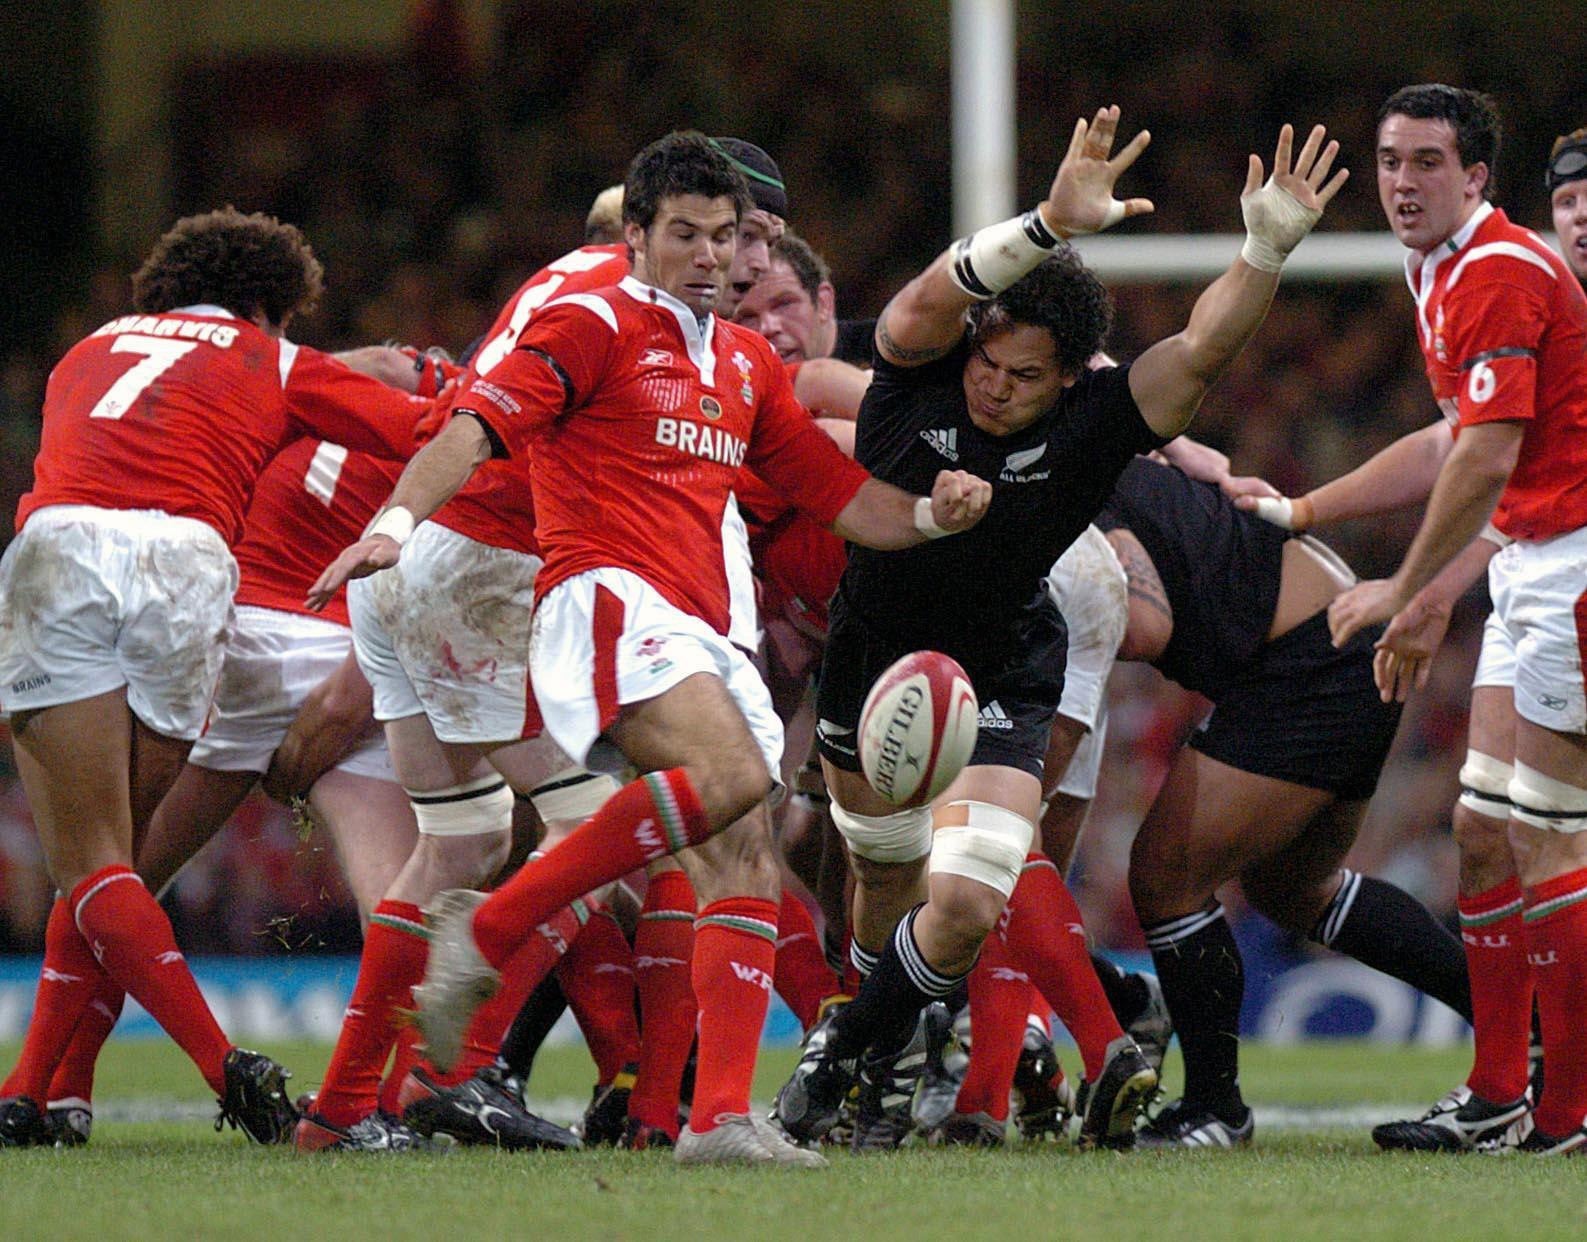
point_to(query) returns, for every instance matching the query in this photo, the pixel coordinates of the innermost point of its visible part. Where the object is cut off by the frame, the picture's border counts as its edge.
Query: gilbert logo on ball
(917, 728)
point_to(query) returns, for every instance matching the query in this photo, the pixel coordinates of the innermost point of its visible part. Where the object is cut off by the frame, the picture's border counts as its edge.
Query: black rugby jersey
(855, 341)
(977, 595)
(1220, 569)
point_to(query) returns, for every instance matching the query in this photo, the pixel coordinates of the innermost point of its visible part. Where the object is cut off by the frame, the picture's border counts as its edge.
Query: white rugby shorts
(1533, 638)
(446, 632)
(94, 599)
(743, 612)
(1090, 588)
(606, 638)
(273, 660)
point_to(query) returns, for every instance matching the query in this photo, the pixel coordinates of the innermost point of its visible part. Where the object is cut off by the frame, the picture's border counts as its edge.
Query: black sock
(1386, 928)
(883, 1016)
(530, 1028)
(1126, 992)
(1203, 980)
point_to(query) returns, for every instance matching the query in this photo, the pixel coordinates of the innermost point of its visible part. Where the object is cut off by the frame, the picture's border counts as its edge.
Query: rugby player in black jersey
(1006, 388)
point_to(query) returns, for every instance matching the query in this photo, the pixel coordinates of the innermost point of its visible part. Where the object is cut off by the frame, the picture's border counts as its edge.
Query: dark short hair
(1061, 295)
(683, 162)
(244, 262)
(1473, 116)
(808, 267)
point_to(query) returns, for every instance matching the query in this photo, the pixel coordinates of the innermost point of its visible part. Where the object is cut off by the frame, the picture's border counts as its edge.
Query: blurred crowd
(430, 182)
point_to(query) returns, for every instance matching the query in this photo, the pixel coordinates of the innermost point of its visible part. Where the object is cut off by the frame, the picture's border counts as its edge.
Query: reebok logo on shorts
(945, 442)
(993, 716)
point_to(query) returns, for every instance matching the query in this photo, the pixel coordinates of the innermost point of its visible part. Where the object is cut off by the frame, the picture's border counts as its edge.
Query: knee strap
(471, 809)
(1541, 801)
(903, 836)
(572, 793)
(990, 846)
(1485, 785)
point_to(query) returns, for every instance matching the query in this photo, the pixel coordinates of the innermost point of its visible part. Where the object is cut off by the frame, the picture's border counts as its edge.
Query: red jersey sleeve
(797, 458)
(558, 363)
(333, 402)
(1494, 323)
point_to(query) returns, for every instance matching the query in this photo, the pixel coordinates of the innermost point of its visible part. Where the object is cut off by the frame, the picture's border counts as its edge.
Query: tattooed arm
(1151, 622)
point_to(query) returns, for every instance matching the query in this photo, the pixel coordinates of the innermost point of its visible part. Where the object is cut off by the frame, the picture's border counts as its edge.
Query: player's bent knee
(1540, 801)
(990, 846)
(1485, 785)
(900, 837)
(471, 809)
(572, 794)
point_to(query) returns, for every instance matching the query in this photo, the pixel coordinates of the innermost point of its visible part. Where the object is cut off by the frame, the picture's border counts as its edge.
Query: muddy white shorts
(1532, 640)
(605, 638)
(446, 632)
(1089, 586)
(273, 660)
(94, 599)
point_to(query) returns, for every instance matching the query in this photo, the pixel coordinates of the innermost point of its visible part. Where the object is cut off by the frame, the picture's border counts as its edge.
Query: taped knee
(903, 836)
(1485, 785)
(990, 846)
(1541, 801)
(572, 793)
(468, 810)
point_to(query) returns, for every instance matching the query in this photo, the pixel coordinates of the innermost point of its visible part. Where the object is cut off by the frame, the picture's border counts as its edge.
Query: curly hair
(1061, 295)
(683, 162)
(1472, 115)
(247, 263)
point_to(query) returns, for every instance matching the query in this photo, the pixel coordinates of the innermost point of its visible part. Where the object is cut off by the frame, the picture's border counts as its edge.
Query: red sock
(1556, 942)
(68, 981)
(1000, 998)
(1047, 939)
(1501, 990)
(663, 958)
(735, 951)
(531, 962)
(597, 977)
(73, 1080)
(403, 1060)
(802, 978)
(647, 819)
(132, 939)
(395, 949)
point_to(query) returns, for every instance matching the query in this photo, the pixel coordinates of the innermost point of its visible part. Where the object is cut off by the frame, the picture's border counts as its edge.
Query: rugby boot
(22, 1123)
(1044, 1099)
(1460, 1121)
(1110, 1105)
(377, 1132)
(1177, 1125)
(883, 1115)
(967, 1130)
(946, 1063)
(637, 1136)
(256, 1100)
(811, 1101)
(69, 1124)
(486, 1110)
(738, 1138)
(457, 978)
(604, 1119)
(1152, 1028)
(1537, 1143)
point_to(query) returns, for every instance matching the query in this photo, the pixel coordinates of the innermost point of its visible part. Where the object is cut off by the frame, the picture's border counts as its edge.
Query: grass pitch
(156, 1169)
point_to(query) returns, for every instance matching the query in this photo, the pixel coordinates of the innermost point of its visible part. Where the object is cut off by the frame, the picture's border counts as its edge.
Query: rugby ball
(917, 728)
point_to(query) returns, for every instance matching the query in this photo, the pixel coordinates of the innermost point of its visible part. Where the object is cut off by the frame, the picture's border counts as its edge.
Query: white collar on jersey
(207, 309)
(1421, 269)
(699, 338)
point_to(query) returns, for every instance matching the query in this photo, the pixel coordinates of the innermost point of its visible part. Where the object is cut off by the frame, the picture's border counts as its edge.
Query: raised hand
(1281, 211)
(1081, 198)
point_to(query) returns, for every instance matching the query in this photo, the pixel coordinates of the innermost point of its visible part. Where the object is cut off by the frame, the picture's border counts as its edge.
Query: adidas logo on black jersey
(945, 442)
(992, 716)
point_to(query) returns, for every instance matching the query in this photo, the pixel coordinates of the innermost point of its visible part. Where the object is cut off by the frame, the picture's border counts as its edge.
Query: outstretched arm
(925, 319)
(1170, 379)
(889, 518)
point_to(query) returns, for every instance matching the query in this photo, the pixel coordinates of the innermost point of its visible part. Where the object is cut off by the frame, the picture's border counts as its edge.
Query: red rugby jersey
(1503, 328)
(637, 419)
(180, 412)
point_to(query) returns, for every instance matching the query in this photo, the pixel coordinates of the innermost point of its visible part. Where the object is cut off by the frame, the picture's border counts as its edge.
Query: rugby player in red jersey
(640, 406)
(1503, 327)
(116, 596)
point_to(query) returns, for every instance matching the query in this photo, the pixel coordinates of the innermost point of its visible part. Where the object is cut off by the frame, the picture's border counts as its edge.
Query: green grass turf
(178, 1179)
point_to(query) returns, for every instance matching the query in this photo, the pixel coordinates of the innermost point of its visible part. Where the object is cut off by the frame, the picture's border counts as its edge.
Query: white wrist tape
(396, 523)
(925, 523)
(991, 259)
(1278, 510)
(1495, 536)
(1275, 223)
